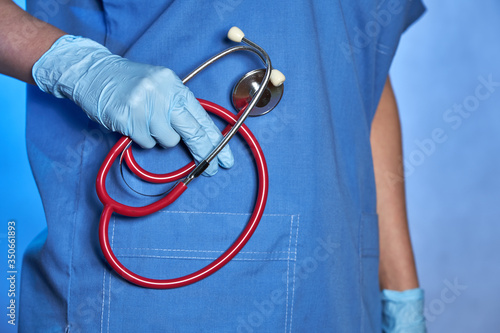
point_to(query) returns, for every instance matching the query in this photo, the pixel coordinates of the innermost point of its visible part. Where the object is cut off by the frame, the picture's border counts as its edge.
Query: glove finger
(133, 125)
(225, 157)
(193, 135)
(142, 139)
(162, 131)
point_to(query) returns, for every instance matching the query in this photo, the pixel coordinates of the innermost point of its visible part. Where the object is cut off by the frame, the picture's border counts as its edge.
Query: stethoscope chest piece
(246, 87)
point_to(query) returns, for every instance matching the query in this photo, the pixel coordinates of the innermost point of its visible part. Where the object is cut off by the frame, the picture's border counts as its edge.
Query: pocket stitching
(288, 272)
(208, 251)
(291, 216)
(201, 258)
(294, 275)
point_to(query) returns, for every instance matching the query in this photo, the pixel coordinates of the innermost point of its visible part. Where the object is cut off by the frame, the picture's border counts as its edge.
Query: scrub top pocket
(252, 293)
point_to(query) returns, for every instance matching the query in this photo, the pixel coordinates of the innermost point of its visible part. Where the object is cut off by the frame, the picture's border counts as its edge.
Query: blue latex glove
(147, 103)
(403, 311)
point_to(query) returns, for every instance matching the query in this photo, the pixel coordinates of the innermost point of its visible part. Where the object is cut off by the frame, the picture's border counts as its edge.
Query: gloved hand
(147, 103)
(403, 311)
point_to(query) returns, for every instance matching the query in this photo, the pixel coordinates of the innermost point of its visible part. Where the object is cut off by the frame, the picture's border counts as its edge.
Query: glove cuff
(59, 69)
(403, 311)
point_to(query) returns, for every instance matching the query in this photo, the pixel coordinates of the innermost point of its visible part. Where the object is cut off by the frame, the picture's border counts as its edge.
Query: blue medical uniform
(312, 264)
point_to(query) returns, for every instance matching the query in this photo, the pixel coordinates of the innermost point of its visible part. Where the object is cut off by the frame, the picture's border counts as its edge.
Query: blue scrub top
(312, 264)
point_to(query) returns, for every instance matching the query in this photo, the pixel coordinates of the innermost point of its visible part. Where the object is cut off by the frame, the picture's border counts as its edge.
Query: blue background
(453, 193)
(453, 186)
(19, 197)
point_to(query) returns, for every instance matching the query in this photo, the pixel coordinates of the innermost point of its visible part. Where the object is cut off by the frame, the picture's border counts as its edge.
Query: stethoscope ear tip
(277, 78)
(235, 34)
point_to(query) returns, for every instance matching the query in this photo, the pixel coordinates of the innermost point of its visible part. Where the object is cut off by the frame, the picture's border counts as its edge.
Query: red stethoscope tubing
(111, 206)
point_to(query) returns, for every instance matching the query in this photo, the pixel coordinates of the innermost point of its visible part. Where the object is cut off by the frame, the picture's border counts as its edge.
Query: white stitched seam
(113, 234)
(109, 300)
(207, 258)
(294, 266)
(182, 250)
(109, 289)
(288, 273)
(103, 298)
(217, 213)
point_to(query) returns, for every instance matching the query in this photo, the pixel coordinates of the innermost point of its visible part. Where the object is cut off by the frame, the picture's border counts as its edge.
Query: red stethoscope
(257, 93)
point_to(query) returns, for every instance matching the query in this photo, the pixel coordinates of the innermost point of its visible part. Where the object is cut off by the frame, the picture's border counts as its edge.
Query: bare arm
(397, 266)
(23, 40)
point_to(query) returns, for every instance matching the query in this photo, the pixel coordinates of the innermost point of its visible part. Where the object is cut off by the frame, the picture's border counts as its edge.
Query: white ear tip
(235, 34)
(277, 78)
